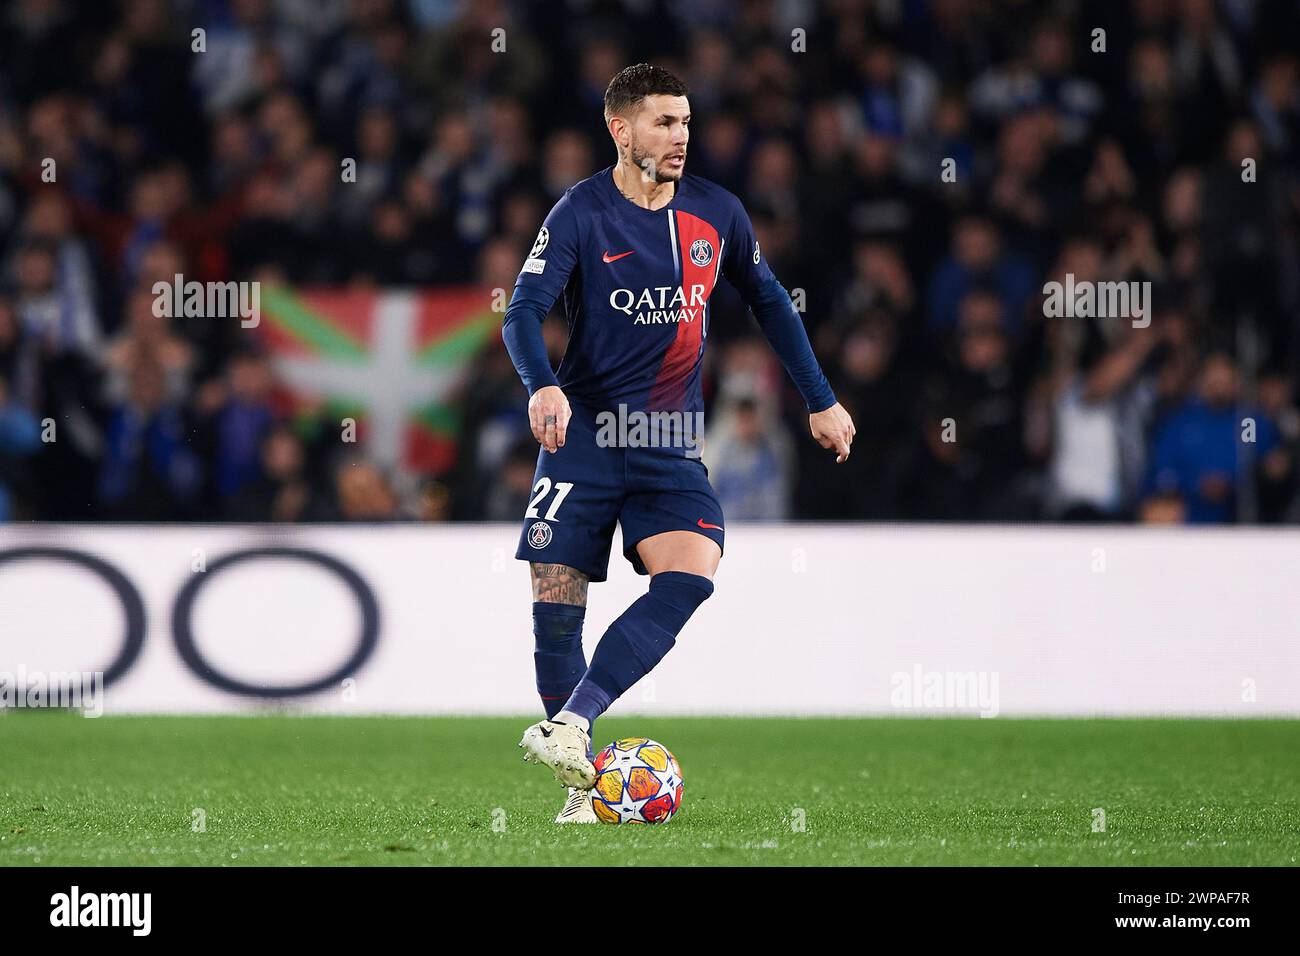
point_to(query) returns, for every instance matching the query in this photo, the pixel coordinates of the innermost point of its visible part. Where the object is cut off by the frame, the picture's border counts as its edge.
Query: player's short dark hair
(634, 83)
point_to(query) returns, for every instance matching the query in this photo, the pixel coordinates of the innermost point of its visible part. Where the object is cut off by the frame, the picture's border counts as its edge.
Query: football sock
(557, 657)
(569, 717)
(638, 640)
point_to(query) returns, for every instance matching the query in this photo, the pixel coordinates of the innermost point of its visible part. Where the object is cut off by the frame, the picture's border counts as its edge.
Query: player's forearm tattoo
(559, 584)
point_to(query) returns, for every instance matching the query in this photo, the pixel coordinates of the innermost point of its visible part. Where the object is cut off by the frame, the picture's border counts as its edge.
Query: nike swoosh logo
(545, 732)
(704, 524)
(608, 258)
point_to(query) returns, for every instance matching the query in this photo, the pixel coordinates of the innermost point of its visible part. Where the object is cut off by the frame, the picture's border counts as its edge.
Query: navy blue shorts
(583, 489)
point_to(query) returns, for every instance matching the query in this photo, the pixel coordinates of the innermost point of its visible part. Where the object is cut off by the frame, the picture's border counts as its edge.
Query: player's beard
(651, 169)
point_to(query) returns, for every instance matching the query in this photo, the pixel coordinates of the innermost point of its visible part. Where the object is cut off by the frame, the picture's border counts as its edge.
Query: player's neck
(634, 186)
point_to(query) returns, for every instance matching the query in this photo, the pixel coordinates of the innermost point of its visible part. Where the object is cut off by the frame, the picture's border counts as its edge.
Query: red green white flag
(393, 360)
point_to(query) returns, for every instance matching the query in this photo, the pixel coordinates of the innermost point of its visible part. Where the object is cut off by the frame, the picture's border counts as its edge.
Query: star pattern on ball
(627, 808)
(628, 761)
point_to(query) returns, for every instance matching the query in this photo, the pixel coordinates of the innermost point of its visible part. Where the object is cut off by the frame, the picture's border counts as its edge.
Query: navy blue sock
(558, 656)
(638, 640)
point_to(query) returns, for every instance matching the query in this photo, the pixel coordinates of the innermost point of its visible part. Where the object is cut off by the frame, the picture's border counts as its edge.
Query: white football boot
(563, 748)
(578, 809)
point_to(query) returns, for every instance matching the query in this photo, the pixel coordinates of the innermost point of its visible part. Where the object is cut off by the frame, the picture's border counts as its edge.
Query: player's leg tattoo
(559, 584)
(559, 606)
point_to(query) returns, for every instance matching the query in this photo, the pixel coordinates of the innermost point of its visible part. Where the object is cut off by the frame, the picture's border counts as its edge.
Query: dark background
(923, 298)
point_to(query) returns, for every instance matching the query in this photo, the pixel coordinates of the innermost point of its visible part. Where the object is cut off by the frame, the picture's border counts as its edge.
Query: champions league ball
(637, 781)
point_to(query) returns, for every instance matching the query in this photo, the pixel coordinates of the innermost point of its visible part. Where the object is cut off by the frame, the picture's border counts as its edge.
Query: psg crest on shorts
(539, 535)
(701, 252)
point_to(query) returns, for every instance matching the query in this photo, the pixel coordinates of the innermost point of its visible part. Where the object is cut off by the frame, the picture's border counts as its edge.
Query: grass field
(405, 791)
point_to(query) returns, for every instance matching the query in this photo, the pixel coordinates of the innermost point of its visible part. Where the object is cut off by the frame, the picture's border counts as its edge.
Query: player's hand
(833, 428)
(548, 414)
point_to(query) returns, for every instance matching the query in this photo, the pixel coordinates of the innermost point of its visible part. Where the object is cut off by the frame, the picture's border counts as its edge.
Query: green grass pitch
(281, 790)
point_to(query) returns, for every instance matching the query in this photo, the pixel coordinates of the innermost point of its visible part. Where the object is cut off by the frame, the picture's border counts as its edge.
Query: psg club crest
(701, 252)
(543, 238)
(539, 535)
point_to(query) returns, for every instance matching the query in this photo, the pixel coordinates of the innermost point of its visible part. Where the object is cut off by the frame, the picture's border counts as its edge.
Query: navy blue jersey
(634, 285)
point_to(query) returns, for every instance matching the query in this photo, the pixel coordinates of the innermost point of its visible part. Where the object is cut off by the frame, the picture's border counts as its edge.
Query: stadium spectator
(280, 491)
(20, 436)
(238, 417)
(750, 457)
(359, 491)
(148, 472)
(147, 336)
(1102, 399)
(1209, 445)
(978, 259)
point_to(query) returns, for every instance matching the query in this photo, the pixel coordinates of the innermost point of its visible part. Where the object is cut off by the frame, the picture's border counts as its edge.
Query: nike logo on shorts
(704, 524)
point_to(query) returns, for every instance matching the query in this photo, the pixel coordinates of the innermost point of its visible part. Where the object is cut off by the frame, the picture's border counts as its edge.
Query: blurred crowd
(1149, 141)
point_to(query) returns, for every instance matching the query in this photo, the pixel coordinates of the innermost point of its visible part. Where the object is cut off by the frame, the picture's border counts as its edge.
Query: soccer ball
(637, 781)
